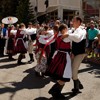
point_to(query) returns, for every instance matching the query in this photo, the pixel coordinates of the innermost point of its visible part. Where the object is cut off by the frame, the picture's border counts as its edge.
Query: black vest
(33, 37)
(78, 48)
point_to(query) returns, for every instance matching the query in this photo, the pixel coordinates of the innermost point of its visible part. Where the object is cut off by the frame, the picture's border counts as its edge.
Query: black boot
(55, 91)
(80, 85)
(31, 58)
(10, 57)
(2, 51)
(19, 59)
(75, 90)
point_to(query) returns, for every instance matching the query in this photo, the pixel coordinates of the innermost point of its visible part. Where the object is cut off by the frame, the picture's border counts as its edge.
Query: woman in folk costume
(60, 66)
(45, 40)
(20, 46)
(11, 42)
(42, 53)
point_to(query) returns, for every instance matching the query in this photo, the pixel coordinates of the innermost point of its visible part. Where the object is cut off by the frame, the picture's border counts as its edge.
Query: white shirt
(78, 35)
(23, 31)
(31, 31)
(13, 32)
(50, 32)
(44, 39)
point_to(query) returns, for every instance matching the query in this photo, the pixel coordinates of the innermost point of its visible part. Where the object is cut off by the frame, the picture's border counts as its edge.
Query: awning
(49, 9)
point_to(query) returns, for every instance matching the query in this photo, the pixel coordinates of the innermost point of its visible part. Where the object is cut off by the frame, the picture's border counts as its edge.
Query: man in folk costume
(78, 38)
(3, 36)
(11, 41)
(60, 66)
(32, 36)
(20, 46)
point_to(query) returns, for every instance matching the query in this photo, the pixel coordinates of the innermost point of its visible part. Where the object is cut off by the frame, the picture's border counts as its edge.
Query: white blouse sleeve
(43, 36)
(45, 41)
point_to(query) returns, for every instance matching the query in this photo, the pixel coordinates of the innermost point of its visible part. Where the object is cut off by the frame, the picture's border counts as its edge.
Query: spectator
(91, 34)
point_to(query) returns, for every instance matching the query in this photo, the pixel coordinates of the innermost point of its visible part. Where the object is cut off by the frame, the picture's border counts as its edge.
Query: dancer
(43, 51)
(78, 38)
(20, 46)
(11, 42)
(60, 66)
(32, 37)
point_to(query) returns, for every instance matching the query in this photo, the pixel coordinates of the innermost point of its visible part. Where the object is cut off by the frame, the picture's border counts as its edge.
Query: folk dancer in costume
(32, 37)
(60, 66)
(3, 37)
(41, 66)
(47, 48)
(78, 38)
(11, 41)
(20, 46)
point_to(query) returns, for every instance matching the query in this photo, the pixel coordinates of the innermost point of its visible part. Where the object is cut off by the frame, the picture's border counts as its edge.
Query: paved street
(20, 82)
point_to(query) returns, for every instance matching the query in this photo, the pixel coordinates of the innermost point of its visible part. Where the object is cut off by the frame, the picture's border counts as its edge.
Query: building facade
(91, 9)
(62, 9)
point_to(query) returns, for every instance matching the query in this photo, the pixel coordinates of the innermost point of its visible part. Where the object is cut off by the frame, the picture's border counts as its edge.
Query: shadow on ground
(9, 66)
(67, 97)
(6, 60)
(31, 81)
(43, 98)
(91, 68)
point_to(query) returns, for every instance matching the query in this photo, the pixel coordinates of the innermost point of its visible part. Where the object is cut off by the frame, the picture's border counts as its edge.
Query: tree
(8, 8)
(25, 12)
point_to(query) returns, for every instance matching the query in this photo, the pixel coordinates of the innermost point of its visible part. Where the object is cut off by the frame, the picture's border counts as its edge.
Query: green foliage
(8, 8)
(21, 9)
(25, 12)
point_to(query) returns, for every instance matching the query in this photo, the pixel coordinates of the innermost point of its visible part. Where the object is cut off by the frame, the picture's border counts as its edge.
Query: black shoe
(42, 74)
(12, 59)
(75, 92)
(20, 63)
(80, 85)
(1, 55)
(31, 61)
(58, 96)
(31, 58)
(55, 91)
(37, 74)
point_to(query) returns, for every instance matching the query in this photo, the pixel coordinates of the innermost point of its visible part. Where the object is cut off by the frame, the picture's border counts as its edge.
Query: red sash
(47, 45)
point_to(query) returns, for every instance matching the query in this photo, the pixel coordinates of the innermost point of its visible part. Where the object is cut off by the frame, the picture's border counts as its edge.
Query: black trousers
(2, 45)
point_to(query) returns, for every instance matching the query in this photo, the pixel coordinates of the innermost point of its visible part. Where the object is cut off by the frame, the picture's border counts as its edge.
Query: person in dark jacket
(3, 36)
